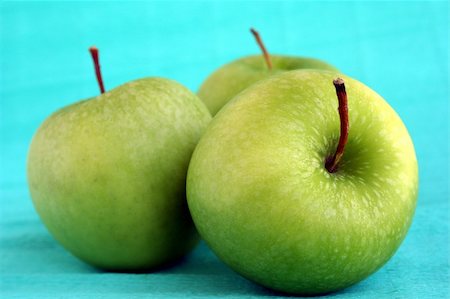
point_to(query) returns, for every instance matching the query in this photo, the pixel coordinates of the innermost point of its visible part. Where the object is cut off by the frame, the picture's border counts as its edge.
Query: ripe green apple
(107, 175)
(229, 80)
(262, 199)
(232, 78)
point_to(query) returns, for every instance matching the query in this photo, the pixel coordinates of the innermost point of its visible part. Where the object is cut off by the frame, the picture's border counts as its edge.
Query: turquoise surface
(400, 49)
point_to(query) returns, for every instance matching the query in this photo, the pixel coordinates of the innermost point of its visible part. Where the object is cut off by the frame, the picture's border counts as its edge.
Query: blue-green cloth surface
(400, 49)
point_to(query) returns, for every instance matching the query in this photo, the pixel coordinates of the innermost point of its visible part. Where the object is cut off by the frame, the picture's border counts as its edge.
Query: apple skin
(230, 79)
(107, 175)
(260, 196)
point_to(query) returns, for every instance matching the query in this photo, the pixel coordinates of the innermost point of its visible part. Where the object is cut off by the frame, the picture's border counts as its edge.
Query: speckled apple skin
(230, 79)
(261, 198)
(107, 175)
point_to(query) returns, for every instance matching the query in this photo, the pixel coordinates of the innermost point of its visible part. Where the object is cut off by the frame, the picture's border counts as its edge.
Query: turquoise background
(398, 48)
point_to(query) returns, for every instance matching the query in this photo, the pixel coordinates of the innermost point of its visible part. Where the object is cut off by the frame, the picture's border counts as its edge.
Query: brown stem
(98, 73)
(331, 163)
(263, 48)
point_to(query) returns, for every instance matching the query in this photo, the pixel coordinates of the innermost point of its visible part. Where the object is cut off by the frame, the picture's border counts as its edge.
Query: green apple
(263, 200)
(229, 80)
(107, 174)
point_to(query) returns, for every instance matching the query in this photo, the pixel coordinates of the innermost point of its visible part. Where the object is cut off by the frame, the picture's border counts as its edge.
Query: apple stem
(263, 48)
(331, 163)
(98, 73)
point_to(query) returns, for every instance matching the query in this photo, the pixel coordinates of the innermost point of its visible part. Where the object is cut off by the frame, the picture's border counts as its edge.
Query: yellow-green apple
(107, 174)
(227, 81)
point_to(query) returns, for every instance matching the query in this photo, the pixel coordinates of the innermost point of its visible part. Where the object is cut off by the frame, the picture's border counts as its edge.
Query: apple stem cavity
(332, 162)
(98, 73)
(263, 48)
